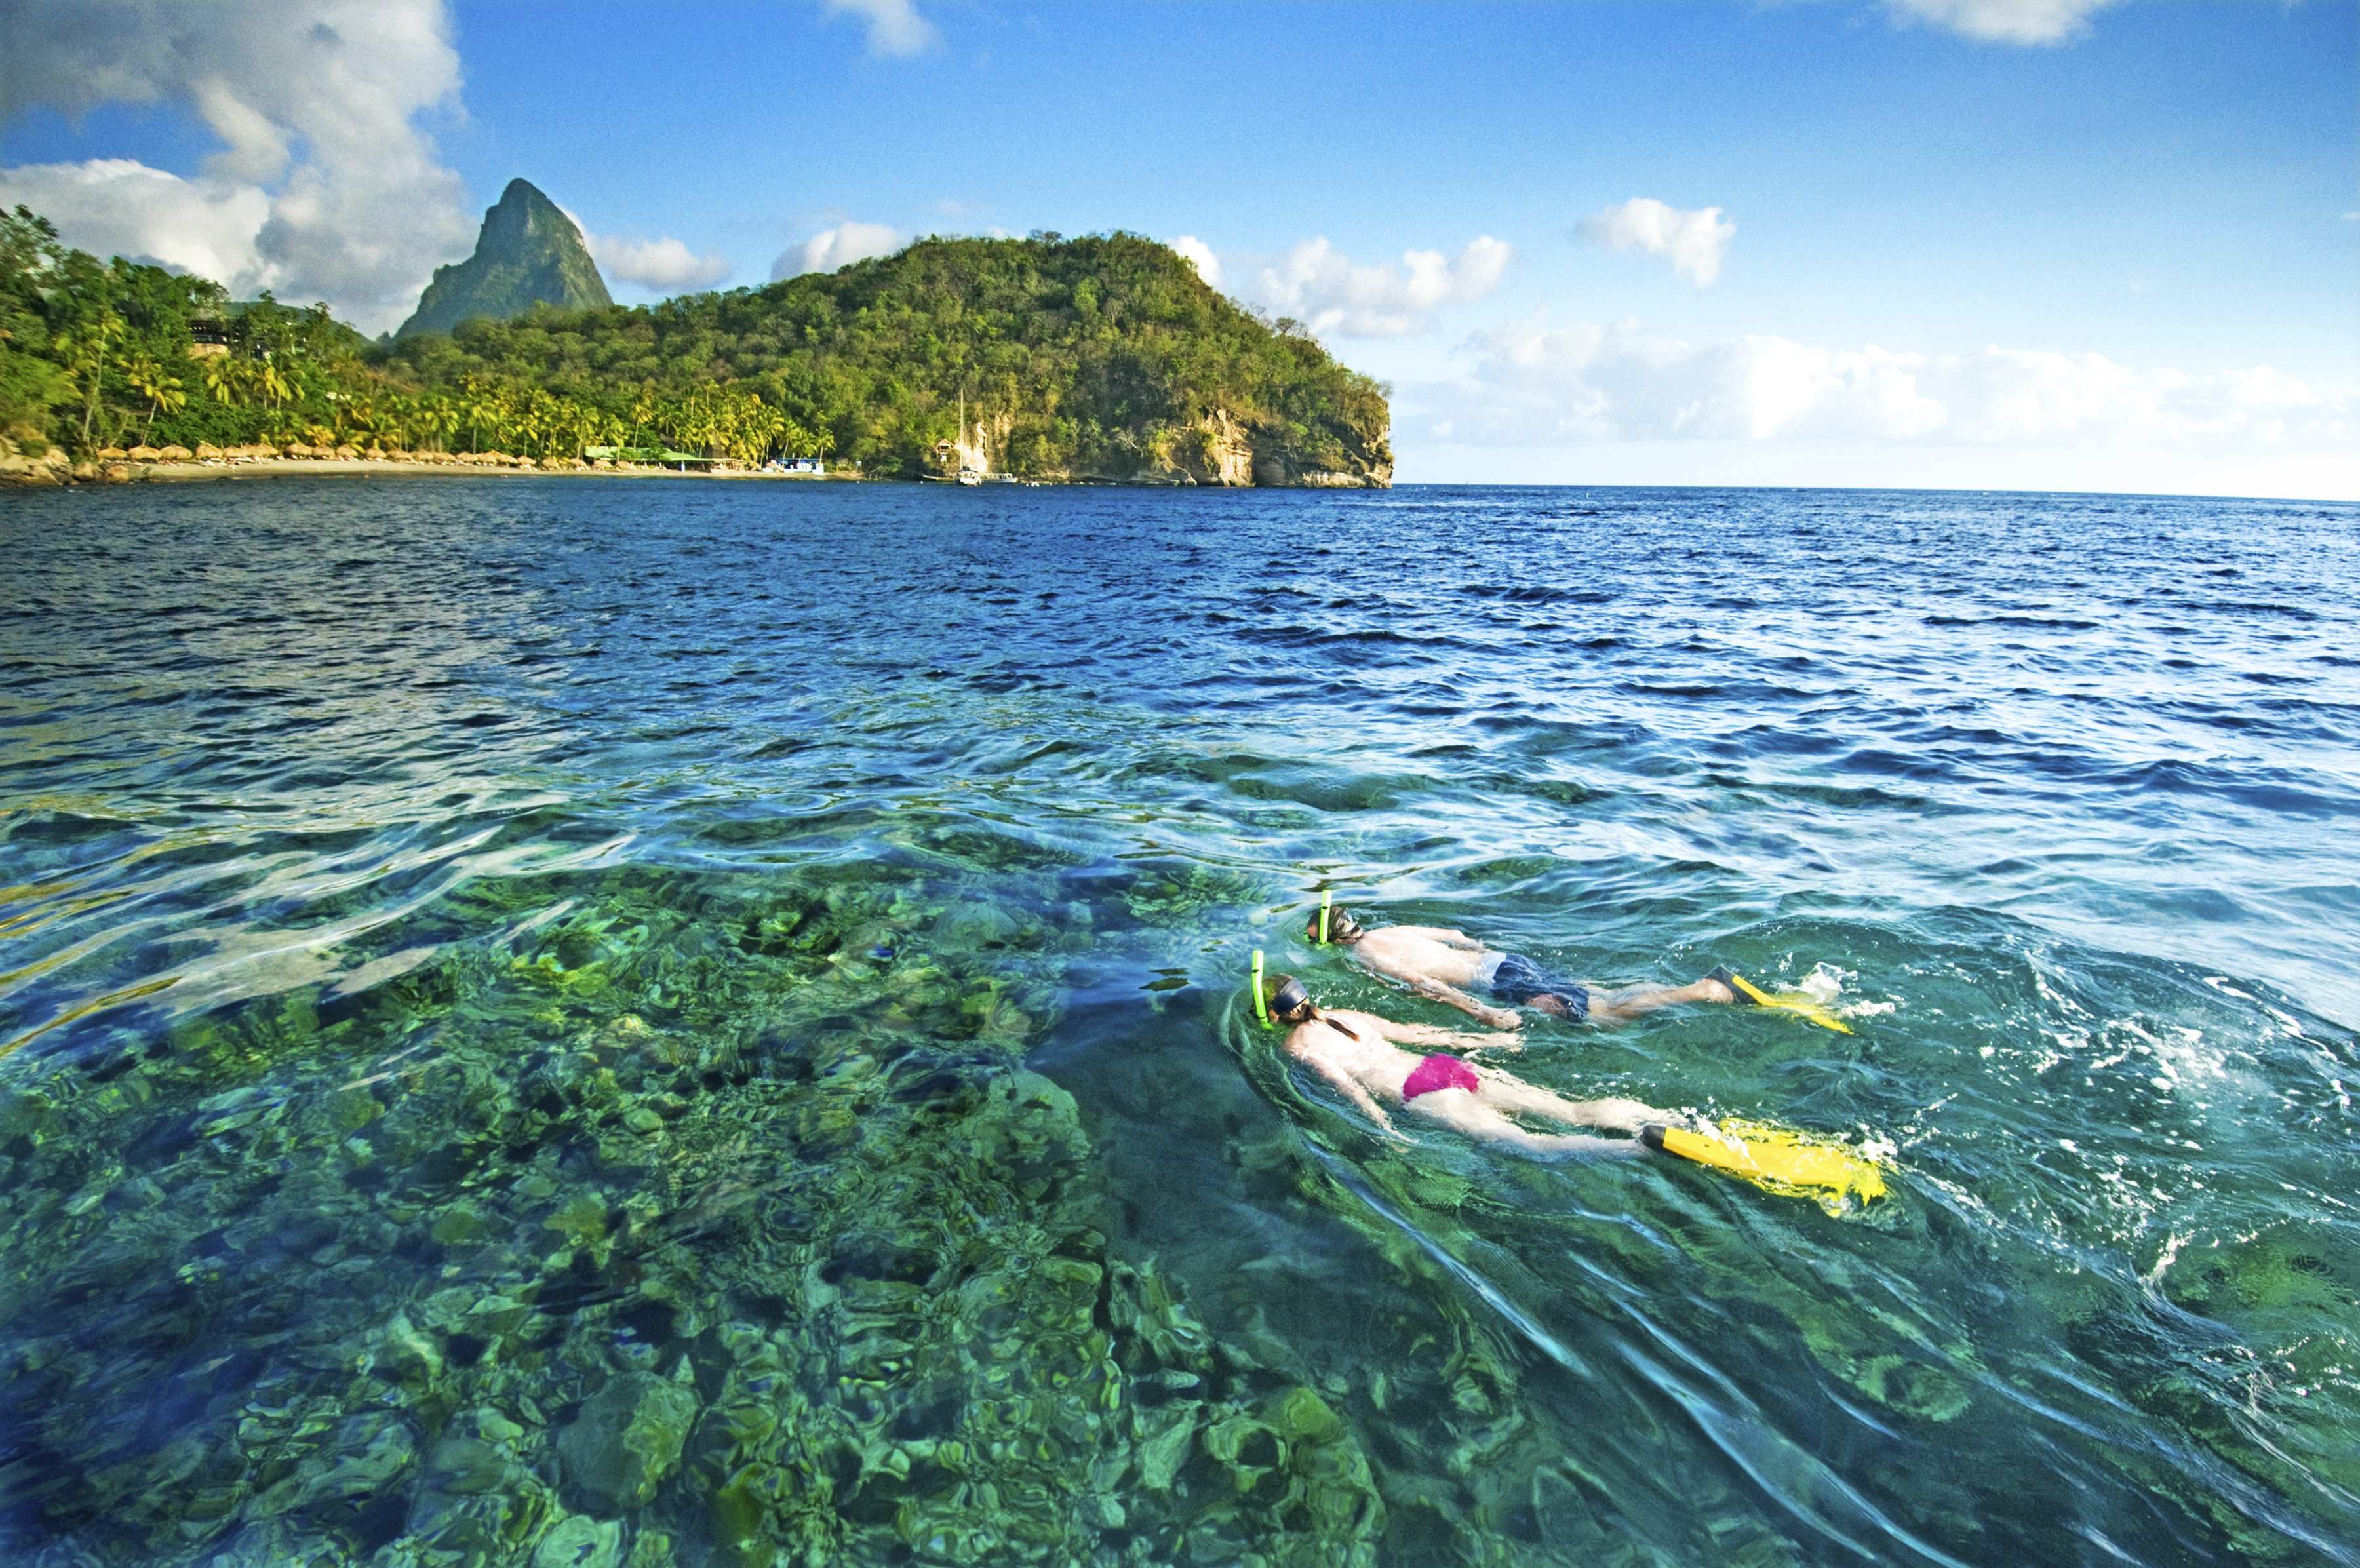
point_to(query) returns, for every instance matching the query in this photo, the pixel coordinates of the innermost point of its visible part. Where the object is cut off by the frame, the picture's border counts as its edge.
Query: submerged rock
(577, 1541)
(625, 1442)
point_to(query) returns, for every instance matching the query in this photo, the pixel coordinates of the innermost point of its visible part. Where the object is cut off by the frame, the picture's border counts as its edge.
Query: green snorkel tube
(1327, 897)
(1261, 1011)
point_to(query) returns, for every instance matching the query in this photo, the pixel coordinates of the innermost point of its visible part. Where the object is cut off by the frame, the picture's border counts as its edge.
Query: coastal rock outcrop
(1226, 454)
(1367, 468)
(51, 466)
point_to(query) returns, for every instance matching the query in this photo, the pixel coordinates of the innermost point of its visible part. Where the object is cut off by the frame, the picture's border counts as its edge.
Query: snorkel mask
(1290, 997)
(1332, 924)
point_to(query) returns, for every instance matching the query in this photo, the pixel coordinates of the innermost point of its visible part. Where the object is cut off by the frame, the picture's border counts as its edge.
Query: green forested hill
(1098, 357)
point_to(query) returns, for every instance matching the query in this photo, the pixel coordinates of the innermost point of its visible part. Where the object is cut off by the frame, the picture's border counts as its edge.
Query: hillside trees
(1102, 356)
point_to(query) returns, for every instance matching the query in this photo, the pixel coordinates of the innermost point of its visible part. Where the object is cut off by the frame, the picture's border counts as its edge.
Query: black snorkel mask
(1290, 997)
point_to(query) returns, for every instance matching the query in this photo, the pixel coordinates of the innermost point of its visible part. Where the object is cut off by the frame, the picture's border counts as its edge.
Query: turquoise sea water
(552, 1022)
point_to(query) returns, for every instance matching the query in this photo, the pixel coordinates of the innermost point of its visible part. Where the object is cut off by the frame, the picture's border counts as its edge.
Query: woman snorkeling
(1356, 1052)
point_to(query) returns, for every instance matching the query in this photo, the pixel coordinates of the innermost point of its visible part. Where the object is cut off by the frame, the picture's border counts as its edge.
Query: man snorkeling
(1437, 961)
(1355, 1051)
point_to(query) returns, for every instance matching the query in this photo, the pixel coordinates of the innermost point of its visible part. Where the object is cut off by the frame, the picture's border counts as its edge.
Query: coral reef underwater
(685, 1231)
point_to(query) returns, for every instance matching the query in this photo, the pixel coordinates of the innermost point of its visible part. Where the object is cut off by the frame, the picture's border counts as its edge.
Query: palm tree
(530, 426)
(439, 420)
(140, 374)
(224, 376)
(84, 348)
(163, 393)
(275, 385)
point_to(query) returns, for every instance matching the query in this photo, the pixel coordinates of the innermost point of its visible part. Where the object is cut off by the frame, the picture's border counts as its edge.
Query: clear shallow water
(560, 1022)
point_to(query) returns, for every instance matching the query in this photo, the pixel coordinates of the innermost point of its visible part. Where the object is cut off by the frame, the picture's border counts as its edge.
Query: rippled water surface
(566, 1023)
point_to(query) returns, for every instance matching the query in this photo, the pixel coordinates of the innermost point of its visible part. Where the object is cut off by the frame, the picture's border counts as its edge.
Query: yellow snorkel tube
(1327, 898)
(1261, 1010)
(1778, 1159)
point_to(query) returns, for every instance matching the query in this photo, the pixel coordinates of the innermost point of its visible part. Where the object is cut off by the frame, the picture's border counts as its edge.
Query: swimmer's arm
(1463, 1039)
(1449, 996)
(1356, 1092)
(1452, 996)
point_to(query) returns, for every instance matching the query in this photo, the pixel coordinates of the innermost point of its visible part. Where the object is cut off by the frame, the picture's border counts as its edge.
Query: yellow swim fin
(1793, 1002)
(1777, 1160)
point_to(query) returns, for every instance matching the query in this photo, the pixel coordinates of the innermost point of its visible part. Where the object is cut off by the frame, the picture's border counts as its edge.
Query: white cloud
(315, 102)
(2006, 21)
(840, 247)
(1200, 256)
(118, 206)
(895, 29)
(1693, 242)
(666, 265)
(1533, 384)
(1331, 294)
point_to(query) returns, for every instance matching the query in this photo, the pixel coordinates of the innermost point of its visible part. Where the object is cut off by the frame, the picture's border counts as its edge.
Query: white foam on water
(1824, 983)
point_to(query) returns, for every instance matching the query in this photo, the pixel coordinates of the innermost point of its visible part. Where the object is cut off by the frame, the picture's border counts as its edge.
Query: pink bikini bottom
(1438, 1073)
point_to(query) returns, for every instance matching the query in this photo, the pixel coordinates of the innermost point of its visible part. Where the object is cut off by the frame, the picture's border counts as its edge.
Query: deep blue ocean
(631, 1022)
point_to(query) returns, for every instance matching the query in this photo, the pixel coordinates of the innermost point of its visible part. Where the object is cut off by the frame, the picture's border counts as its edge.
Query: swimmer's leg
(1514, 1094)
(1629, 1005)
(1460, 1111)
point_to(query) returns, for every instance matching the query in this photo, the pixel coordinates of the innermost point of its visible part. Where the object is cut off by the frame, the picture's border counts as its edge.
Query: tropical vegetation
(1100, 356)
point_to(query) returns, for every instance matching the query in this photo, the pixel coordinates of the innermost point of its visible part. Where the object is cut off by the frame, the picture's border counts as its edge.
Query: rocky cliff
(529, 253)
(1223, 450)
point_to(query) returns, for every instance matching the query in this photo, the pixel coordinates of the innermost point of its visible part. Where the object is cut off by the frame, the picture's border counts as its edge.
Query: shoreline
(198, 472)
(40, 474)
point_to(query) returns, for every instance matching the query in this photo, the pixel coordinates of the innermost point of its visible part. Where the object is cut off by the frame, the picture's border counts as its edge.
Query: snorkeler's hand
(1502, 1018)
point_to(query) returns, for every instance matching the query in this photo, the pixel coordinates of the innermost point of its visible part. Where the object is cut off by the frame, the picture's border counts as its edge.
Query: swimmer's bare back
(1443, 964)
(1435, 961)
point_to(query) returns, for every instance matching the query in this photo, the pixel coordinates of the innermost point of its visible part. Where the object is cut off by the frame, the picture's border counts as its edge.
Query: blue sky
(2066, 242)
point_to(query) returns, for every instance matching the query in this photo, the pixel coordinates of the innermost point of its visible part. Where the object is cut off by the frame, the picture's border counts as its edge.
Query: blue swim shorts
(1518, 980)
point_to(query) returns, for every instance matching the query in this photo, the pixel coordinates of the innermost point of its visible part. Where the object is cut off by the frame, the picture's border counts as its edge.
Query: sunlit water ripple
(561, 1022)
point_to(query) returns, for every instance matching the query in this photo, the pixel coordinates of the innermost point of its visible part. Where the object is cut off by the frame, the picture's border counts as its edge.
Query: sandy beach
(196, 470)
(377, 468)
